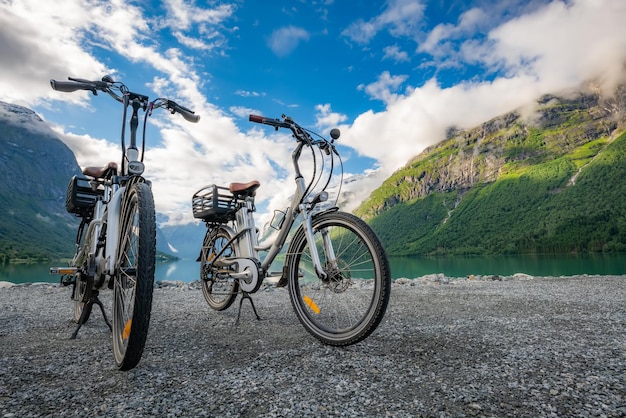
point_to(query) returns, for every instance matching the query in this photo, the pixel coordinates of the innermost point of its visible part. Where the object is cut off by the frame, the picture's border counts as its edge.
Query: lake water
(410, 267)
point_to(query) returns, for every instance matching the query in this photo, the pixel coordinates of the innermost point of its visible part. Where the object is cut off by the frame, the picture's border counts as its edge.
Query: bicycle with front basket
(335, 267)
(116, 238)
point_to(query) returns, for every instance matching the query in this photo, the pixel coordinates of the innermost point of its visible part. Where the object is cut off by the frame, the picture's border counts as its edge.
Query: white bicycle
(336, 268)
(116, 239)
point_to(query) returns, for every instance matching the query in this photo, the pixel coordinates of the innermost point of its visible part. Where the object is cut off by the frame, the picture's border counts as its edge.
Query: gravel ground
(495, 346)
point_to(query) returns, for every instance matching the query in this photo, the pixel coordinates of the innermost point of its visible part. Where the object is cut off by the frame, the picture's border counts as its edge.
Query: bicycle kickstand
(94, 299)
(246, 295)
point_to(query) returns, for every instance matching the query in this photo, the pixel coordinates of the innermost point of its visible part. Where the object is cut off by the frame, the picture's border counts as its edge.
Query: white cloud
(39, 41)
(284, 40)
(400, 18)
(246, 93)
(244, 112)
(563, 44)
(468, 23)
(182, 15)
(383, 89)
(326, 118)
(394, 53)
(89, 151)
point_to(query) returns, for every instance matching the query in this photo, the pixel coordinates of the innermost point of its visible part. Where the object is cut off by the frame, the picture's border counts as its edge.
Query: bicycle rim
(81, 294)
(218, 288)
(134, 278)
(346, 306)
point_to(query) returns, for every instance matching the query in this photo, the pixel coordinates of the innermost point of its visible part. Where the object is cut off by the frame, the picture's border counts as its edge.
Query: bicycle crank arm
(248, 272)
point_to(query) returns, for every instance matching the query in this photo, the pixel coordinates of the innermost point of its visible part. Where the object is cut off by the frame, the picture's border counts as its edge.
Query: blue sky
(393, 75)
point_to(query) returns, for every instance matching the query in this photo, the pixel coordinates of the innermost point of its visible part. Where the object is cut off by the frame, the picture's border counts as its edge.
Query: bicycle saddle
(244, 189)
(101, 172)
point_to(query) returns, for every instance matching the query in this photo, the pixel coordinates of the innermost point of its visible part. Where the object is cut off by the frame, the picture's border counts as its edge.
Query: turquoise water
(410, 267)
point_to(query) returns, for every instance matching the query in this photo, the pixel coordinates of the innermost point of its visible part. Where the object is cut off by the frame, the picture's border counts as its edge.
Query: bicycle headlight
(320, 197)
(135, 168)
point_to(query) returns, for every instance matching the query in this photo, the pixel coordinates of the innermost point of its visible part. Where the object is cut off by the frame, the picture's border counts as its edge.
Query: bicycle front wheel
(348, 302)
(134, 278)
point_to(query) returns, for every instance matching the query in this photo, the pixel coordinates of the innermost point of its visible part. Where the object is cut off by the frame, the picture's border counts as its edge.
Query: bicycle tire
(347, 306)
(218, 289)
(80, 295)
(134, 276)
(83, 287)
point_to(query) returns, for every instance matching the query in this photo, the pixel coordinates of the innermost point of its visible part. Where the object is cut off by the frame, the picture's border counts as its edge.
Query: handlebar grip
(257, 119)
(277, 123)
(188, 114)
(69, 86)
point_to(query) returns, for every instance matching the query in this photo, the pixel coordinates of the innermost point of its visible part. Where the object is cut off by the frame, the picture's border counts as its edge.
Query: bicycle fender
(325, 211)
(113, 211)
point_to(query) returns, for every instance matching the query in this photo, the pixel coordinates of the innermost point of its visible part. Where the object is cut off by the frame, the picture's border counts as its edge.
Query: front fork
(329, 251)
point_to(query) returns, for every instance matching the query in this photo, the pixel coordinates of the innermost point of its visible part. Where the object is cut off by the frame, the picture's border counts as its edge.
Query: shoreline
(439, 278)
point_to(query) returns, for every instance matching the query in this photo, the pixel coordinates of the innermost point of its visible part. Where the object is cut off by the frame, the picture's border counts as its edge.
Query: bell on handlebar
(108, 79)
(335, 133)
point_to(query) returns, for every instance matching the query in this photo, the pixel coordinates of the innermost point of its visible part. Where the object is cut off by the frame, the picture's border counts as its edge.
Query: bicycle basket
(214, 204)
(81, 197)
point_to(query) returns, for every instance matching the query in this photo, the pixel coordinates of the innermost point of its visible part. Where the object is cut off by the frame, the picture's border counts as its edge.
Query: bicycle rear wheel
(218, 288)
(348, 304)
(134, 278)
(80, 295)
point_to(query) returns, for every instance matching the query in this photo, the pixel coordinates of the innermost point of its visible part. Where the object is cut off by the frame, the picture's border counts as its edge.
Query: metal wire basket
(214, 204)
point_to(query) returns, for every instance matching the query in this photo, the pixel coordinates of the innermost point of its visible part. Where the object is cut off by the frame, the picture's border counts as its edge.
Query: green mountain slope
(553, 182)
(35, 167)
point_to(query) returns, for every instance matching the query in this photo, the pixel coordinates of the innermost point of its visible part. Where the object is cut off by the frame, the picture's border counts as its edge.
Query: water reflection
(410, 267)
(534, 265)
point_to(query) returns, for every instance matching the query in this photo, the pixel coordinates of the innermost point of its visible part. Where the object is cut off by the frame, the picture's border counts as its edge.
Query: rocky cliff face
(558, 125)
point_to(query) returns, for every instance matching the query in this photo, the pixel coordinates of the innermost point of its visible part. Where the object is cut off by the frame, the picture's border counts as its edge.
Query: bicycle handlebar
(106, 84)
(300, 133)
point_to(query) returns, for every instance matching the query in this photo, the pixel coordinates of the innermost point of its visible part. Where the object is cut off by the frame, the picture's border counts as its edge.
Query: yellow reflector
(61, 270)
(126, 332)
(311, 304)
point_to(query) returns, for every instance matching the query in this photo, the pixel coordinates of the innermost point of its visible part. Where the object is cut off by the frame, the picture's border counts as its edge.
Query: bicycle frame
(244, 236)
(104, 227)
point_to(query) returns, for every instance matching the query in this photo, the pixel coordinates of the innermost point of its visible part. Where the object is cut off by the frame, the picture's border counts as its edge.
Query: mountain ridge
(440, 196)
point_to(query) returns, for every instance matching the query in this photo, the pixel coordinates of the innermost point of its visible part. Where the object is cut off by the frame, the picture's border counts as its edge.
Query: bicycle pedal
(68, 275)
(63, 270)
